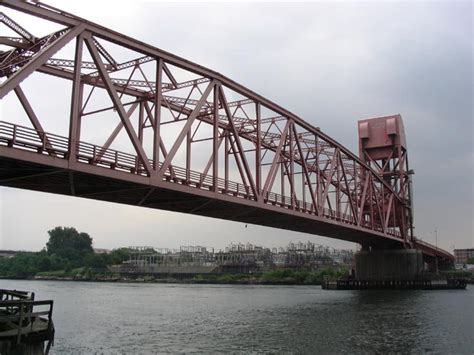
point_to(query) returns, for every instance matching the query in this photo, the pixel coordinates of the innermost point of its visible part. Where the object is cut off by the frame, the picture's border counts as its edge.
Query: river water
(150, 318)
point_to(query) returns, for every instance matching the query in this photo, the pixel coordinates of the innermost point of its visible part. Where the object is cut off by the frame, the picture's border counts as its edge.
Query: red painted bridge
(147, 128)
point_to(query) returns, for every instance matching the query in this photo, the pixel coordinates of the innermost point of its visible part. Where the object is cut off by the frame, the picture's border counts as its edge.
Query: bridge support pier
(403, 264)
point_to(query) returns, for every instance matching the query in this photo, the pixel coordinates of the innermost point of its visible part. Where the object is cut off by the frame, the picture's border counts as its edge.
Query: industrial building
(462, 255)
(235, 258)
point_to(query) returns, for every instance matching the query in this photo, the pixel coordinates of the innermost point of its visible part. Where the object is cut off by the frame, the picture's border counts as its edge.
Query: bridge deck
(26, 162)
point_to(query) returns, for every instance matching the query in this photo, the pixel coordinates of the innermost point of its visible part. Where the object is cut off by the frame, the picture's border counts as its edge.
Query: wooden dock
(26, 324)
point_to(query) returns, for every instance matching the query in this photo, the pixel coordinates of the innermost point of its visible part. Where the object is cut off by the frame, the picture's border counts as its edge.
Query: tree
(68, 243)
(118, 255)
(470, 261)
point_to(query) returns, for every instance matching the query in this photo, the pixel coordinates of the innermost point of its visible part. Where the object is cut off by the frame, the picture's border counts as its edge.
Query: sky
(331, 63)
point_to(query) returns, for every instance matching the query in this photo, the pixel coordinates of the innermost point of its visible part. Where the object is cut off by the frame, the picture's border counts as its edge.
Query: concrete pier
(404, 264)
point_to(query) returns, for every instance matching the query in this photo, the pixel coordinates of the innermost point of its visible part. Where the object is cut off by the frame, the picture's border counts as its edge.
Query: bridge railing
(25, 138)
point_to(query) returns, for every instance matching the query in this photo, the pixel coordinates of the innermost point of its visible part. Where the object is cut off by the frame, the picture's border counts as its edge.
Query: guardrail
(21, 315)
(29, 139)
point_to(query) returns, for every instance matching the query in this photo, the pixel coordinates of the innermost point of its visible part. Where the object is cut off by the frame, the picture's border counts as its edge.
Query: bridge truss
(172, 125)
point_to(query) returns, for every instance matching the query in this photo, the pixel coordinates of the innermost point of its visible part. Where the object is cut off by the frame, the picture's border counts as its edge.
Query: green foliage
(470, 261)
(67, 253)
(301, 276)
(68, 243)
(116, 256)
(95, 260)
(278, 276)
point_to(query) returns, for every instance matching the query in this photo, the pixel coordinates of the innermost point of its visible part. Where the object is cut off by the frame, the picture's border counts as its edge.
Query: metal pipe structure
(201, 143)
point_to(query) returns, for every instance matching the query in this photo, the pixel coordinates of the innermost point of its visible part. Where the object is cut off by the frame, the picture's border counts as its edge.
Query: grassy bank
(274, 277)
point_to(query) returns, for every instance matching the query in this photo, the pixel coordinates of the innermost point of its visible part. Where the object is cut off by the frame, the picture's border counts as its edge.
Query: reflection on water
(148, 318)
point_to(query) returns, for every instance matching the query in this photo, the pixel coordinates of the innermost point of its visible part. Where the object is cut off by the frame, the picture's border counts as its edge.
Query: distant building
(101, 251)
(461, 255)
(7, 253)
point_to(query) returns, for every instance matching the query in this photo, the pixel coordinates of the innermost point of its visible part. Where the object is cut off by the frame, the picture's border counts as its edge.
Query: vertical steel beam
(157, 123)
(258, 150)
(291, 173)
(338, 186)
(215, 140)
(188, 155)
(76, 102)
(318, 174)
(282, 179)
(140, 122)
(226, 160)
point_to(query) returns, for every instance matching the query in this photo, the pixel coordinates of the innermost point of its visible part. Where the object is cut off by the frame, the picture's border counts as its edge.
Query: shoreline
(182, 281)
(172, 281)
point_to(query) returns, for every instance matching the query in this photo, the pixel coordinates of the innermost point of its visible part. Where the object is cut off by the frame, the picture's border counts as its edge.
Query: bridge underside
(90, 182)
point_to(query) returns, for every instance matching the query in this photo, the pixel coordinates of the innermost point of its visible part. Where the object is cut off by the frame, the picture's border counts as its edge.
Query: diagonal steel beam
(16, 27)
(305, 170)
(351, 202)
(118, 104)
(185, 130)
(16, 42)
(32, 116)
(211, 158)
(388, 211)
(332, 170)
(104, 53)
(237, 141)
(38, 60)
(276, 158)
(169, 74)
(362, 202)
(115, 133)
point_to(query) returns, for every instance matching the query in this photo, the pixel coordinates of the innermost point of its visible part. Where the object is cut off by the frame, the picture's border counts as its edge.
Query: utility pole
(436, 248)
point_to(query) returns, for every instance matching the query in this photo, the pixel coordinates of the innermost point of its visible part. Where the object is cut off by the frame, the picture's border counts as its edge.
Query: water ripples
(153, 318)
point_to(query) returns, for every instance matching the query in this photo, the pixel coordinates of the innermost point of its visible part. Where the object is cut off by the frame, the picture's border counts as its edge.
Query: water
(149, 318)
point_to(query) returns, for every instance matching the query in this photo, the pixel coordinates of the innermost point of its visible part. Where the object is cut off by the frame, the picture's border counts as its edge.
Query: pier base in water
(405, 264)
(392, 270)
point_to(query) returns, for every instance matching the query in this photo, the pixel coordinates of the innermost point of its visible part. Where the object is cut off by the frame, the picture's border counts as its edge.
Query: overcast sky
(329, 63)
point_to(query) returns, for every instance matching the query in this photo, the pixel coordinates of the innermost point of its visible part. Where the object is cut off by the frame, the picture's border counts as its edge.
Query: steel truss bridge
(148, 128)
